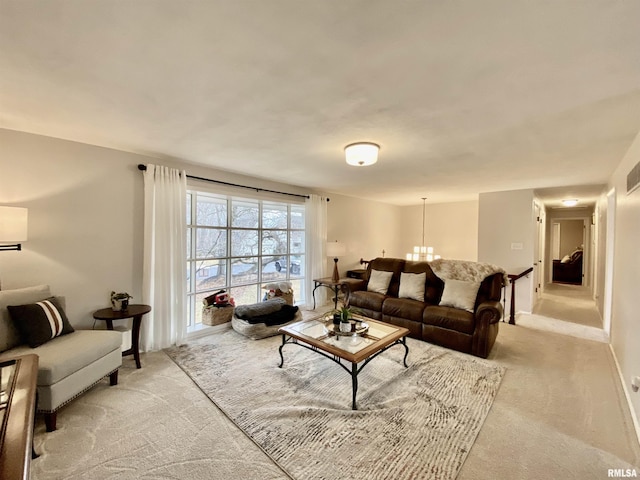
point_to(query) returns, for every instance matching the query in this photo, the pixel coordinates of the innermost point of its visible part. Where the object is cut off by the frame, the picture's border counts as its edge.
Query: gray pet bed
(256, 331)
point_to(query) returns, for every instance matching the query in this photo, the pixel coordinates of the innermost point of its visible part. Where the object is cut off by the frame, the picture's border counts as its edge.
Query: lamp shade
(361, 154)
(13, 224)
(336, 249)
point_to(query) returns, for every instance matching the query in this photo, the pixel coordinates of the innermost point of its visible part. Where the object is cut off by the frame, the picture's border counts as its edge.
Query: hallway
(566, 309)
(570, 303)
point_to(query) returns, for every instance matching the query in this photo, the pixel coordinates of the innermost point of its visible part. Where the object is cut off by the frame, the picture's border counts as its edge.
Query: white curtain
(164, 269)
(316, 228)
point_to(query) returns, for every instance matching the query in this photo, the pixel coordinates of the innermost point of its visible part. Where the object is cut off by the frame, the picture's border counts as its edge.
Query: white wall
(625, 324)
(571, 236)
(85, 217)
(450, 228)
(600, 257)
(506, 218)
(85, 220)
(367, 228)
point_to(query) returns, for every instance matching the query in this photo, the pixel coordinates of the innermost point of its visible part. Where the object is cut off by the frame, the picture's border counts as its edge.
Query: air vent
(633, 178)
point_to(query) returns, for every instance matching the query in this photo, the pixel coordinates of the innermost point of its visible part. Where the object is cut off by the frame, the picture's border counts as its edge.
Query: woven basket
(212, 315)
(288, 297)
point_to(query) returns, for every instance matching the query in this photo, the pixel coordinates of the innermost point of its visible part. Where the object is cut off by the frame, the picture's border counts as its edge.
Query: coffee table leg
(354, 384)
(280, 350)
(406, 351)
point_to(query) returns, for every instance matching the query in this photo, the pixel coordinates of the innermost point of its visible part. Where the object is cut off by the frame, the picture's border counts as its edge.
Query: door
(538, 270)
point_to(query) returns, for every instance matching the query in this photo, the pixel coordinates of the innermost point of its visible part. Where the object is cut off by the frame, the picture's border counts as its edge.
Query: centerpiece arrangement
(345, 324)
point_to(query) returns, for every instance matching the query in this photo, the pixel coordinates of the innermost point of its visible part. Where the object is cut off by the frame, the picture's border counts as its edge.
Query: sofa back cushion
(412, 285)
(379, 281)
(433, 285)
(393, 265)
(9, 335)
(490, 289)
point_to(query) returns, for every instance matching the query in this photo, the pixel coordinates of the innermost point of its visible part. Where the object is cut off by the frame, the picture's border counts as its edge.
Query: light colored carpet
(541, 322)
(560, 413)
(416, 422)
(570, 303)
(155, 424)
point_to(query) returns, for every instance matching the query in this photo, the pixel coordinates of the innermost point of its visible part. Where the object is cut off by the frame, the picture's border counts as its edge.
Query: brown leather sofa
(469, 332)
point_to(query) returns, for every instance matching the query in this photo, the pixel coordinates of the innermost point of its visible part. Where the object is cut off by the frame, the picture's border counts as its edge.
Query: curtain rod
(142, 167)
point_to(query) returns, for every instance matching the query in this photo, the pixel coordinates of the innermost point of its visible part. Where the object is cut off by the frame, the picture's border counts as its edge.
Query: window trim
(193, 191)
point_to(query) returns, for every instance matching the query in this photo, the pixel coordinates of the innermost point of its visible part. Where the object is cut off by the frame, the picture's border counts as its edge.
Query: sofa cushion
(40, 322)
(449, 318)
(433, 285)
(379, 281)
(460, 294)
(404, 308)
(9, 335)
(385, 264)
(65, 355)
(412, 285)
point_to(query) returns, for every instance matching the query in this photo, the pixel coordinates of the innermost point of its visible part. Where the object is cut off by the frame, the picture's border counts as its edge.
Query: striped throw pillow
(40, 322)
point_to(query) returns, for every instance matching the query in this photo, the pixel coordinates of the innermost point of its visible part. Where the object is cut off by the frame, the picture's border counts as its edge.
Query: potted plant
(345, 317)
(120, 301)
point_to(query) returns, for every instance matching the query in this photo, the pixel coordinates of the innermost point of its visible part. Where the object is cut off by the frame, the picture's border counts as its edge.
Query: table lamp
(335, 250)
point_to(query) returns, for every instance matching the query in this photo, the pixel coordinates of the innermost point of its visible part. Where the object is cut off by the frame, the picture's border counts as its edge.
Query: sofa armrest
(488, 316)
(489, 312)
(357, 285)
(354, 286)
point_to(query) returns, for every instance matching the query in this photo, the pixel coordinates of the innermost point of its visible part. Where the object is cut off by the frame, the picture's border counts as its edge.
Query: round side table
(133, 311)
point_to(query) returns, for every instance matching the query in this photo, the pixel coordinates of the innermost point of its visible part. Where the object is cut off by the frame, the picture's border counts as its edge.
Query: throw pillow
(565, 259)
(40, 322)
(379, 281)
(412, 285)
(460, 294)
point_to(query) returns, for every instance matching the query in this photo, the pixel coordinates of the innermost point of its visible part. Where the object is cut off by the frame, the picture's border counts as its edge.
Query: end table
(133, 311)
(342, 285)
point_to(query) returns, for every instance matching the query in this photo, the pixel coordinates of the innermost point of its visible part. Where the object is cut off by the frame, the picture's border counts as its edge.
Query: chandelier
(422, 252)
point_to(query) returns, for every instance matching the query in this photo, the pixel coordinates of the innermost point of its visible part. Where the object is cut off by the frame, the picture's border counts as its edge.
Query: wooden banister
(512, 279)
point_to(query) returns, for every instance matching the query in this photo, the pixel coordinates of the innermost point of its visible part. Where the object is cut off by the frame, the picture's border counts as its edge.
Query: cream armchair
(68, 365)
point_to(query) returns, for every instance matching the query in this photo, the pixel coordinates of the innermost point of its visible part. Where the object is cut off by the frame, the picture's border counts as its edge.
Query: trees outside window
(239, 244)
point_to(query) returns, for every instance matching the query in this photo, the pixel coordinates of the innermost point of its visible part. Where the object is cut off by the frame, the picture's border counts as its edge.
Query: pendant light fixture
(422, 252)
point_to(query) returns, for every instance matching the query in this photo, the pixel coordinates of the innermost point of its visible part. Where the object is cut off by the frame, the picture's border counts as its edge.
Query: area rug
(415, 422)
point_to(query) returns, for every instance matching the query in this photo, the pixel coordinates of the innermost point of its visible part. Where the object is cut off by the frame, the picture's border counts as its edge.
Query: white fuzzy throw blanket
(465, 270)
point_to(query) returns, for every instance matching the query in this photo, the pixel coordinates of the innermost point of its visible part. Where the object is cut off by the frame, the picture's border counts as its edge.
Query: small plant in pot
(345, 317)
(120, 301)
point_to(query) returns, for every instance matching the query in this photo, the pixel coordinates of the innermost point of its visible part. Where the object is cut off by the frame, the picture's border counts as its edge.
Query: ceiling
(463, 97)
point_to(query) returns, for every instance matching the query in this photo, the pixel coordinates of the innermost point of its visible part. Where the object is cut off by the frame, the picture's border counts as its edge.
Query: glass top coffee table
(368, 339)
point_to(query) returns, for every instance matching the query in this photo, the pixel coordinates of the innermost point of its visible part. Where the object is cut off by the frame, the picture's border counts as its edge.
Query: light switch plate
(516, 246)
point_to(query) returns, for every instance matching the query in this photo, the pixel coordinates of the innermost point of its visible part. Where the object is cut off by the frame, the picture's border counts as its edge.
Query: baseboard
(627, 395)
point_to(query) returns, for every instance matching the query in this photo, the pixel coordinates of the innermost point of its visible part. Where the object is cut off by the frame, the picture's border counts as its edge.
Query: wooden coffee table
(319, 336)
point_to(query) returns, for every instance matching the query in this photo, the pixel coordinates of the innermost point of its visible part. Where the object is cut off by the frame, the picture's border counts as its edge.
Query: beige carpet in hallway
(559, 414)
(570, 303)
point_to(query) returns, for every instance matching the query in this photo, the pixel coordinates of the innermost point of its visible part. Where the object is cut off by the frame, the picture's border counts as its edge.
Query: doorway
(567, 287)
(568, 242)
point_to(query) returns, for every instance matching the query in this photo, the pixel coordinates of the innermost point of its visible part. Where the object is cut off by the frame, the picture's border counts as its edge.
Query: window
(239, 244)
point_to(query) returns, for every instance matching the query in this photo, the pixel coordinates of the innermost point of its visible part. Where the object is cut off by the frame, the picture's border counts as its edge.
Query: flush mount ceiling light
(361, 154)
(570, 202)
